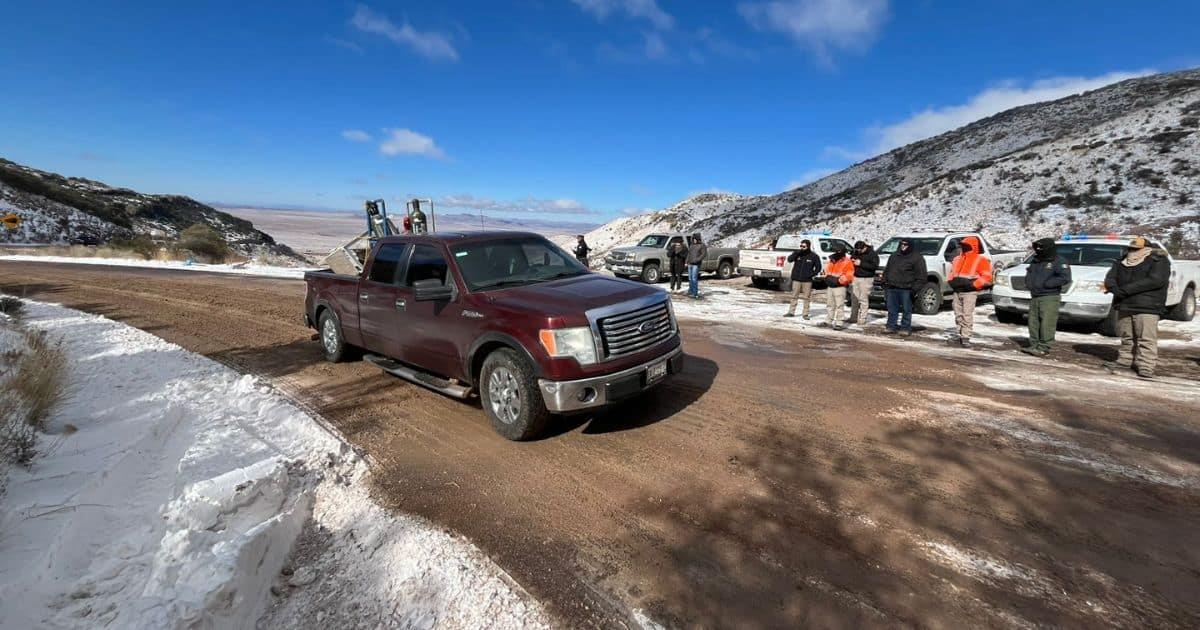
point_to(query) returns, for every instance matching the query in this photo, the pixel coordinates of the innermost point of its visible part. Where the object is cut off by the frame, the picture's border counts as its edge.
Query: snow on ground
(240, 269)
(172, 489)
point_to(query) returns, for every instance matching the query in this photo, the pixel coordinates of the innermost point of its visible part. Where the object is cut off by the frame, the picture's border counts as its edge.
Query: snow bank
(171, 493)
(236, 269)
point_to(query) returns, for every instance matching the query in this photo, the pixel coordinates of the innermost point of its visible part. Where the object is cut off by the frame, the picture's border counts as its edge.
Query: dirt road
(783, 481)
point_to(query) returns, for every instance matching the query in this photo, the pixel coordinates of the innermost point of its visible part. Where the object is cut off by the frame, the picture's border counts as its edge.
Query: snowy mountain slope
(1121, 158)
(57, 209)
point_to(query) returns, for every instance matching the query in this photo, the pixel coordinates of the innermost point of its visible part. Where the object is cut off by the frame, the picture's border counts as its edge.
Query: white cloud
(633, 212)
(821, 25)
(429, 44)
(809, 177)
(356, 135)
(936, 120)
(528, 205)
(656, 48)
(644, 9)
(409, 142)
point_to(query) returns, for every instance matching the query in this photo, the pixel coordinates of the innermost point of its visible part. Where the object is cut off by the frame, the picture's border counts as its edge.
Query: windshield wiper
(562, 274)
(505, 283)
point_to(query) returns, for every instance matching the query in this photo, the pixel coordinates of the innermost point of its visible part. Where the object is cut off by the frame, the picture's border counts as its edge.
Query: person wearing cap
(806, 264)
(970, 273)
(1046, 277)
(904, 274)
(1138, 283)
(839, 273)
(866, 262)
(582, 250)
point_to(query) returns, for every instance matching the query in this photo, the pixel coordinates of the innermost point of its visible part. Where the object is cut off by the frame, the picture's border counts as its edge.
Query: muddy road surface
(782, 481)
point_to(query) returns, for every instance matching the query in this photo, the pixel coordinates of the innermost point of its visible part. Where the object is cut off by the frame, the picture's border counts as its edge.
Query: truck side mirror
(432, 290)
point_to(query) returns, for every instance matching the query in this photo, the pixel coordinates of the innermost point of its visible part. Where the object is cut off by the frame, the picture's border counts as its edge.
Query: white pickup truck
(1090, 258)
(939, 250)
(770, 267)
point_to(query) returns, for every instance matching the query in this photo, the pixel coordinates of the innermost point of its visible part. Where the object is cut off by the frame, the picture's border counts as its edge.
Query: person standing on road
(697, 252)
(905, 273)
(1138, 284)
(582, 250)
(839, 273)
(866, 262)
(1046, 277)
(805, 266)
(677, 255)
(970, 273)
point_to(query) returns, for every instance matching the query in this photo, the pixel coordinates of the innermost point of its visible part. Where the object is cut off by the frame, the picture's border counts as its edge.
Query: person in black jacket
(805, 266)
(1046, 278)
(582, 250)
(1138, 283)
(866, 262)
(677, 256)
(904, 274)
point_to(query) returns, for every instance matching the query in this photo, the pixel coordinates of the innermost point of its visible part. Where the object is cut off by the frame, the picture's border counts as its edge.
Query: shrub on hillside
(204, 242)
(140, 244)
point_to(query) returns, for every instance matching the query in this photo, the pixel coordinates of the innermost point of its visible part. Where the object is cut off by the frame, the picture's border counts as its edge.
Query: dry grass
(103, 251)
(33, 381)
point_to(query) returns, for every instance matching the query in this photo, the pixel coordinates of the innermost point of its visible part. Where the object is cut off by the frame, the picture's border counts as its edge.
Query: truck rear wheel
(651, 274)
(1185, 311)
(510, 396)
(1008, 317)
(928, 300)
(725, 270)
(332, 343)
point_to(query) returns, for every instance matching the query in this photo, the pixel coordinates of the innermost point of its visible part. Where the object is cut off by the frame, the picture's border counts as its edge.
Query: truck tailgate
(762, 259)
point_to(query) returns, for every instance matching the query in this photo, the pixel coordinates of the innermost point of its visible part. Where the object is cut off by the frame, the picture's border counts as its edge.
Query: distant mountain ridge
(57, 209)
(1122, 158)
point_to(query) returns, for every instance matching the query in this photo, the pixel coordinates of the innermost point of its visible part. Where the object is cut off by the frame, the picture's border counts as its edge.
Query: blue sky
(565, 109)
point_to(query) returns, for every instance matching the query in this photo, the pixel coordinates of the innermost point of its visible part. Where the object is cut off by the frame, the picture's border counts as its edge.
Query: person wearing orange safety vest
(970, 273)
(839, 273)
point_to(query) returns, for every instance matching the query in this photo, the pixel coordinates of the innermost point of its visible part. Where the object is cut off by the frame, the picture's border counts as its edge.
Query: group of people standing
(687, 259)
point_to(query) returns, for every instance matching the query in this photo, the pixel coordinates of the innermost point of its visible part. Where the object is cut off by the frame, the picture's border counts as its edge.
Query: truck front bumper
(623, 268)
(1079, 311)
(598, 391)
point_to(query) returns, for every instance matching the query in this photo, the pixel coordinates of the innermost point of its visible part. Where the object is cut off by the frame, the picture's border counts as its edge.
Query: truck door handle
(400, 304)
(364, 296)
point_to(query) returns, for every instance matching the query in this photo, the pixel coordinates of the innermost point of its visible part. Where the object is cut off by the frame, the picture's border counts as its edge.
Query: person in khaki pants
(839, 273)
(805, 266)
(970, 273)
(866, 262)
(1138, 283)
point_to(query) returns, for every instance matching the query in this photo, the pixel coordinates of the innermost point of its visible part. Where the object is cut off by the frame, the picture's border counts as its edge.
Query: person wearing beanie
(1138, 283)
(904, 274)
(839, 273)
(1046, 277)
(970, 273)
(866, 262)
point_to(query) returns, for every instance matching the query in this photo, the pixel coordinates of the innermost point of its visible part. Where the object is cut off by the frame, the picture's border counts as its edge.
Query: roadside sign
(11, 221)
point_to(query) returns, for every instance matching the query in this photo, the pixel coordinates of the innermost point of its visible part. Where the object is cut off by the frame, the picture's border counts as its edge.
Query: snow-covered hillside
(1124, 158)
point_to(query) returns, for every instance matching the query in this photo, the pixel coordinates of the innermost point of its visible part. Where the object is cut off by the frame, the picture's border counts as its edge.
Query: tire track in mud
(780, 482)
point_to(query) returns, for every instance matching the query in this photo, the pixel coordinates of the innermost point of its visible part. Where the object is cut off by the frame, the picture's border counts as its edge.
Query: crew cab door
(379, 298)
(428, 331)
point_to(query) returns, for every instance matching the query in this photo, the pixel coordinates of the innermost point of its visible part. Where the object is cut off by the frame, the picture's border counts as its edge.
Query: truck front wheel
(650, 273)
(928, 300)
(725, 270)
(509, 393)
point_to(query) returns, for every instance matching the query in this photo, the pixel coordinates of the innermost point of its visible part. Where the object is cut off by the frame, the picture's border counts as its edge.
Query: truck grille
(618, 256)
(1018, 283)
(636, 330)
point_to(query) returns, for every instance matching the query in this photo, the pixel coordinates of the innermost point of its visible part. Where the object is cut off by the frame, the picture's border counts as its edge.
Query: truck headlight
(1003, 281)
(1087, 286)
(576, 343)
(631, 257)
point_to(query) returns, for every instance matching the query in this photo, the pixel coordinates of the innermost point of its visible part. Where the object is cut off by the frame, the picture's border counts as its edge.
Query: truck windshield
(924, 246)
(506, 262)
(1089, 254)
(657, 241)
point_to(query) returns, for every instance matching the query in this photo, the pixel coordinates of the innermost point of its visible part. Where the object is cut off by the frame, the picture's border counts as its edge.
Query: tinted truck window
(426, 263)
(387, 264)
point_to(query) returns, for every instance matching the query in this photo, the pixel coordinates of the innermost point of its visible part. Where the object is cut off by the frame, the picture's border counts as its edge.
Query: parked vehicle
(770, 267)
(1090, 258)
(938, 249)
(648, 259)
(505, 315)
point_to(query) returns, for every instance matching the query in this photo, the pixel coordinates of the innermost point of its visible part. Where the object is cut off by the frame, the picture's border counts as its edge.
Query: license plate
(758, 272)
(656, 372)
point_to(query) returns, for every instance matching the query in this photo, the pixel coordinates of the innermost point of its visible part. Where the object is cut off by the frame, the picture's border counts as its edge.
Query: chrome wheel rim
(930, 301)
(329, 335)
(504, 393)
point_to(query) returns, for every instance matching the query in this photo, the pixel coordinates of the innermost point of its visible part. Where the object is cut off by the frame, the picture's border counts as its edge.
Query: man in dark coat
(582, 250)
(904, 274)
(1138, 283)
(677, 257)
(806, 264)
(866, 262)
(1046, 278)
(697, 252)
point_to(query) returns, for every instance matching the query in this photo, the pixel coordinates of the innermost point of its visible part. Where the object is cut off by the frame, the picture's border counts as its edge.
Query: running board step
(424, 379)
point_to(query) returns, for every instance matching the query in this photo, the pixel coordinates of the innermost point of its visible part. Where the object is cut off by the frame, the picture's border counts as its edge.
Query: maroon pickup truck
(507, 316)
